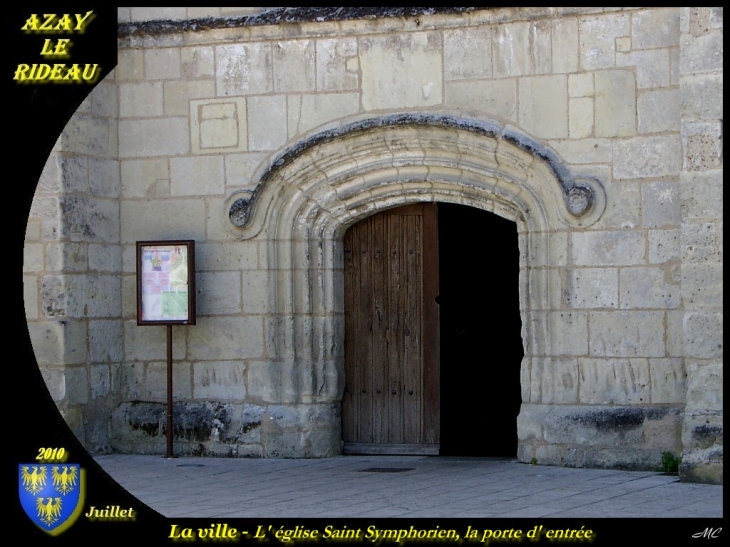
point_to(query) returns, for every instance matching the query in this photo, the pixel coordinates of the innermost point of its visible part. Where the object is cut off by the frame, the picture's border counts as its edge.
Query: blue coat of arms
(52, 495)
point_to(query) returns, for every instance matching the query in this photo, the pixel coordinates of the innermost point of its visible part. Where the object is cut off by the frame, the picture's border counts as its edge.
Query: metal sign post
(169, 391)
(166, 296)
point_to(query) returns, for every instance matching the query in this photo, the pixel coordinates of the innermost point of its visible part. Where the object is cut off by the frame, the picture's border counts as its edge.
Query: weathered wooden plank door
(391, 400)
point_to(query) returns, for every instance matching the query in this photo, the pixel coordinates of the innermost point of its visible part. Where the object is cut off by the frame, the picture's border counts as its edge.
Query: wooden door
(391, 400)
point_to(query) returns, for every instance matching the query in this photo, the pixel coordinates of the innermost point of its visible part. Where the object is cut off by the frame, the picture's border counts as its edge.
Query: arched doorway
(312, 193)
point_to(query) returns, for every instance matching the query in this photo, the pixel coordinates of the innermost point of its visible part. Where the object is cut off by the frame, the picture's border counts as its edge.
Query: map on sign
(165, 283)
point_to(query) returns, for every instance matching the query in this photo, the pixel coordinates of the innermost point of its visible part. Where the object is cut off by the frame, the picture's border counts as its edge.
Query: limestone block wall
(621, 312)
(701, 240)
(72, 266)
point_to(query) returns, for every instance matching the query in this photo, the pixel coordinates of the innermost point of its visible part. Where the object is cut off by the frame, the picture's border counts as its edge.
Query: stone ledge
(627, 437)
(228, 430)
(277, 16)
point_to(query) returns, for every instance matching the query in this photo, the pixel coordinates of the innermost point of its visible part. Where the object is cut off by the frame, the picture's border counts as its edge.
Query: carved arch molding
(309, 195)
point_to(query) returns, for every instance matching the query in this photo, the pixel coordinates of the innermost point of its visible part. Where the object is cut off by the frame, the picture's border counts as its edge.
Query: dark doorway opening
(481, 344)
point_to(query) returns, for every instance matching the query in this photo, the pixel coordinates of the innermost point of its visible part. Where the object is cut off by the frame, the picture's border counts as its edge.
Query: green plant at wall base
(670, 462)
(533, 461)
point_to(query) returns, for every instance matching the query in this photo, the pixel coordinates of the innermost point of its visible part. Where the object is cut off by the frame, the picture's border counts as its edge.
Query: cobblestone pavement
(402, 486)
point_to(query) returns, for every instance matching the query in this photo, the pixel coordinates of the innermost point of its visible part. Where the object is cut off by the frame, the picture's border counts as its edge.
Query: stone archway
(309, 195)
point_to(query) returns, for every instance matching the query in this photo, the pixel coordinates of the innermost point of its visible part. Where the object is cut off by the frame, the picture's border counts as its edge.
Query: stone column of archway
(311, 194)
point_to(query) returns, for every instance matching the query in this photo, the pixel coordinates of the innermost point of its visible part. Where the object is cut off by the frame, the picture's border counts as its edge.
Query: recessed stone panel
(218, 125)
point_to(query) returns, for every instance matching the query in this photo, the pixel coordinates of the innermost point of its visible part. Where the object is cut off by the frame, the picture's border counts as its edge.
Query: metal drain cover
(190, 465)
(386, 469)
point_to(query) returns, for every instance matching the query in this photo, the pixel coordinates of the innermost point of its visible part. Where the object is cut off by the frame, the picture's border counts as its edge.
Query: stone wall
(505, 109)
(72, 270)
(700, 198)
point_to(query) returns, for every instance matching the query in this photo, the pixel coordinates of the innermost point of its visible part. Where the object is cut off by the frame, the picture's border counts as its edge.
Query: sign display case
(166, 282)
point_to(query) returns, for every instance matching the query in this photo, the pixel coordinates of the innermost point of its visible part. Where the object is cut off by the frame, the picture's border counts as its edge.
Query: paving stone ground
(403, 486)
